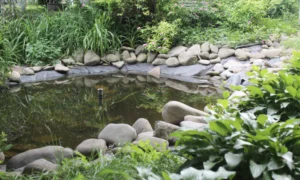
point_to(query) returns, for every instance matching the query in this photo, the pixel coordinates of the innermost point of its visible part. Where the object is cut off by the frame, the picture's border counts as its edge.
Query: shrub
(295, 61)
(253, 148)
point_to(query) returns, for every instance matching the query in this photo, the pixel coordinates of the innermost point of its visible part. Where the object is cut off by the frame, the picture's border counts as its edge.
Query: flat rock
(204, 55)
(193, 125)
(61, 68)
(182, 86)
(175, 51)
(142, 125)
(172, 62)
(48, 68)
(174, 112)
(124, 48)
(159, 61)
(225, 53)
(118, 134)
(164, 56)
(14, 76)
(197, 119)
(28, 71)
(36, 68)
(54, 154)
(142, 57)
(38, 166)
(213, 56)
(118, 64)
(92, 147)
(214, 61)
(91, 58)
(271, 53)
(204, 62)
(256, 55)
(187, 58)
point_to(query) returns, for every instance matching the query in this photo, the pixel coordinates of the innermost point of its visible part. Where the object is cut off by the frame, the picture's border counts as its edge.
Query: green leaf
(166, 176)
(255, 91)
(274, 165)
(218, 127)
(281, 176)
(239, 144)
(223, 102)
(263, 72)
(269, 89)
(292, 91)
(262, 119)
(288, 159)
(233, 159)
(257, 169)
(226, 94)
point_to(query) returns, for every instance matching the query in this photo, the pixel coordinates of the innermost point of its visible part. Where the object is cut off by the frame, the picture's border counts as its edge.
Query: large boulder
(2, 157)
(187, 58)
(174, 112)
(175, 51)
(241, 54)
(157, 143)
(38, 166)
(151, 57)
(92, 147)
(118, 134)
(164, 130)
(197, 119)
(225, 53)
(91, 58)
(195, 49)
(14, 76)
(54, 154)
(142, 125)
(172, 62)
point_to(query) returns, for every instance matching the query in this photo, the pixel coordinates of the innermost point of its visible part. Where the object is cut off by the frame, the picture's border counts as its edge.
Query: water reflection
(67, 111)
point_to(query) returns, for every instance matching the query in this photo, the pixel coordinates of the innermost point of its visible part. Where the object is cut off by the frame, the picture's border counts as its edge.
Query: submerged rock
(92, 147)
(40, 165)
(142, 125)
(118, 134)
(54, 154)
(174, 112)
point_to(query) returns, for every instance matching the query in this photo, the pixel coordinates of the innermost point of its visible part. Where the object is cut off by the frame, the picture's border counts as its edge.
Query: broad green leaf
(239, 144)
(219, 127)
(261, 119)
(226, 94)
(166, 176)
(292, 91)
(233, 159)
(269, 89)
(255, 91)
(257, 169)
(281, 176)
(288, 159)
(223, 102)
(263, 72)
(275, 165)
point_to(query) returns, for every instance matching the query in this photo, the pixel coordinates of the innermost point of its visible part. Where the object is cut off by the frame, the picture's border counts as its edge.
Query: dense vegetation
(253, 136)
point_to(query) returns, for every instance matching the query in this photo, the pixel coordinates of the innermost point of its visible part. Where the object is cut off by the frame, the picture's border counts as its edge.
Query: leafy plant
(294, 65)
(251, 147)
(3, 143)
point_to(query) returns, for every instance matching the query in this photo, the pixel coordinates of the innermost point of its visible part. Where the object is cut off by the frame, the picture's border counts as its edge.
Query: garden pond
(67, 111)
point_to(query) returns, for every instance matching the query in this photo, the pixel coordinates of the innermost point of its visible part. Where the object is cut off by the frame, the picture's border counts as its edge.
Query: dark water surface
(68, 111)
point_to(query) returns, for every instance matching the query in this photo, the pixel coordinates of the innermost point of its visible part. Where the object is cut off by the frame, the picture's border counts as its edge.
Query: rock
(14, 76)
(28, 71)
(48, 68)
(213, 56)
(142, 125)
(172, 62)
(258, 62)
(2, 157)
(205, 47)
(187, 58)
(68, 62)
(38, 166)
(92, 147)
(195, 49)
(193, 125)
(54, 154)
(164, 56)
(238, 68)
(141, 78)
(145, 135)
(142, 57)
(218, 68)
(231, 62)
(118, 134)
(198, 119)
(17, 69)
(226, 74)
(132, 59)
(271, 53)
(118, 64)
(78, 55)
(204, 62)
(155, 72)
(214, 49)
(124, 48)
(265, 46)
(269, 43)
(139, 50)
(241, 54)
(151, 56)
(3, 169)
(175, 51)
(225, 53)
(163, 130)
(214, 61)
(159, 61)
(157, 143)
(36, 68)
(61, 68)
(174, 112)
(125, 55)
(256, 55)
(112, 58)
(204, 55)
(91, 58)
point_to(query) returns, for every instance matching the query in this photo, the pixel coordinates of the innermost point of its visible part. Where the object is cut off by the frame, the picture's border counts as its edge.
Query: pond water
(68, 111)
